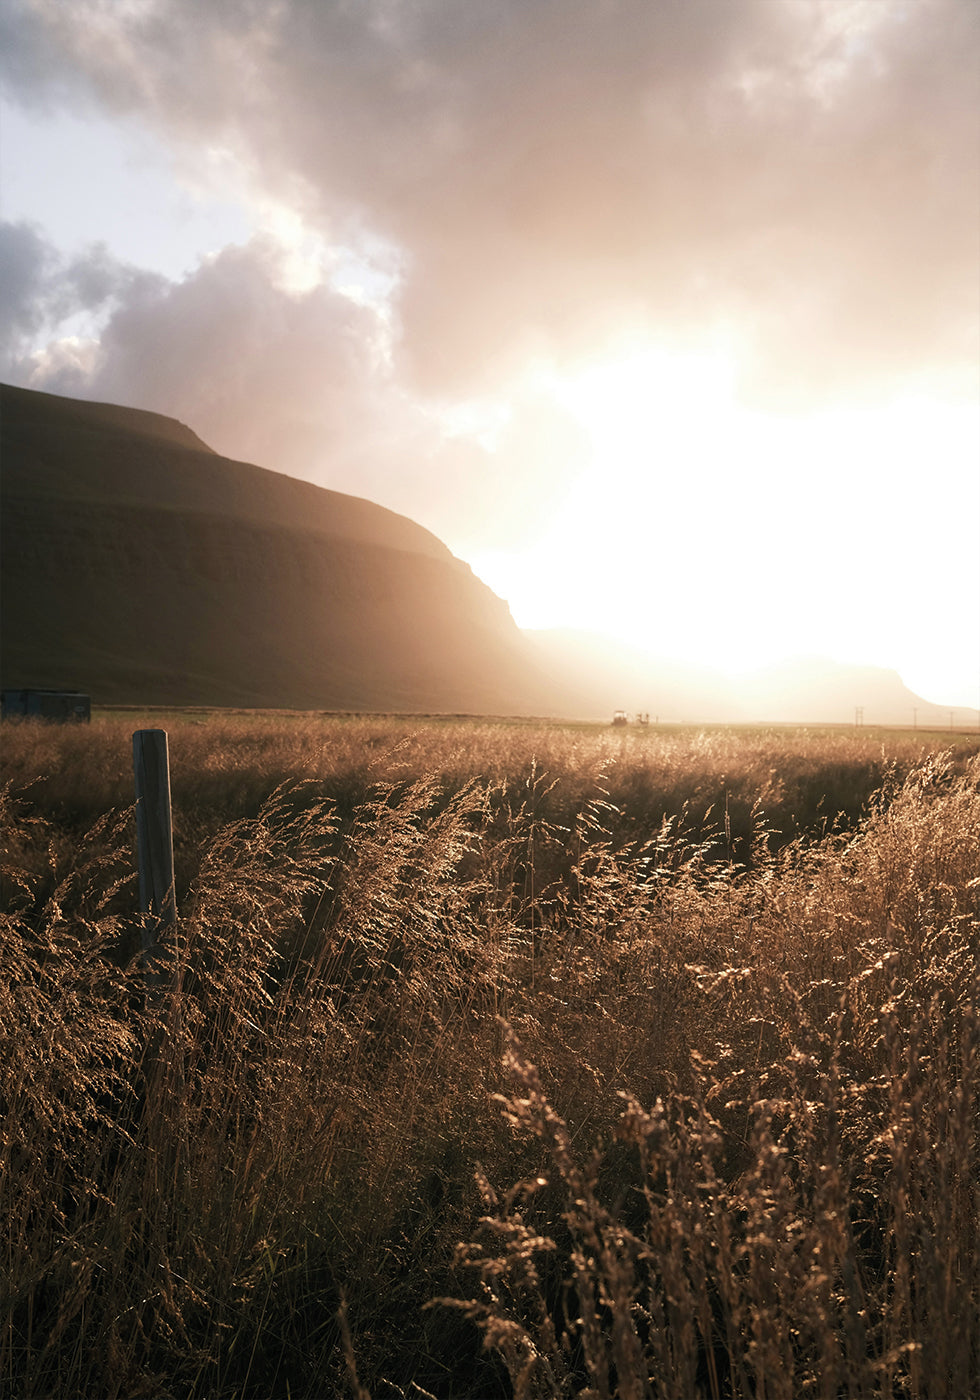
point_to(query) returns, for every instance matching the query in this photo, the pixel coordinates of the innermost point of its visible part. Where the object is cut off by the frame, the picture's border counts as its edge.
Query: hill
(143, 567)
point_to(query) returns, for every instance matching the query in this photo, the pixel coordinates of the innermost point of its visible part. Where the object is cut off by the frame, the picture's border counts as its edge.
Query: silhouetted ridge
(141, 566)
(35, 412)
(69, 450)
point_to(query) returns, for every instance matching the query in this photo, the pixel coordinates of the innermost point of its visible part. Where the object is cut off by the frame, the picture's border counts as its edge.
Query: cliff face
(142, 567)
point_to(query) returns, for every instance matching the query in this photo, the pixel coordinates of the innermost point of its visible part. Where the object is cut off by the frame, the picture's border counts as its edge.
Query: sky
(663, 314)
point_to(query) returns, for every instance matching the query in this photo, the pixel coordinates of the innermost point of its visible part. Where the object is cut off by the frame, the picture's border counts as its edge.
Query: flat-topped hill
(66, 449)
(140, 565)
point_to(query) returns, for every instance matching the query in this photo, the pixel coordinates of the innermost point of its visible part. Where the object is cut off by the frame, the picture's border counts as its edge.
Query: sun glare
(642, 540)
(619, 398)
(714, 534)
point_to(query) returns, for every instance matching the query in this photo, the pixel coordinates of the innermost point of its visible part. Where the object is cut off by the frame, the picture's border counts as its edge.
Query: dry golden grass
(493, 1063)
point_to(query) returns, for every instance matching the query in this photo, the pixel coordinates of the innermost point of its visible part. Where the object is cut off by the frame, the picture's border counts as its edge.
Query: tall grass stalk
(698, 1097)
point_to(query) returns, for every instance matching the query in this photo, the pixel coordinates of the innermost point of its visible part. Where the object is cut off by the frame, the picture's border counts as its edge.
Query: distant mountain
(607, 675)
(141, 566)
(797, 689)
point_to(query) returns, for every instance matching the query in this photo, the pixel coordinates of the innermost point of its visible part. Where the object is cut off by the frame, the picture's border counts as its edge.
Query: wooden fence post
(154, 836)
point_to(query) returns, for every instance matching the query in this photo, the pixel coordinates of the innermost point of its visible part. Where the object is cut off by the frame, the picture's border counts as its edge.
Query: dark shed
(63, 706)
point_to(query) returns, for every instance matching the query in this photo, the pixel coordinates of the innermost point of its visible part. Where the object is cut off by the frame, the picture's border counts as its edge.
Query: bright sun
(711, 533)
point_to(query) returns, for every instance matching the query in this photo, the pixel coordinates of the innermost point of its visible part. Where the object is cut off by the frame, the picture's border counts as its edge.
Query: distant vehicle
(620, 717)
(59, 706)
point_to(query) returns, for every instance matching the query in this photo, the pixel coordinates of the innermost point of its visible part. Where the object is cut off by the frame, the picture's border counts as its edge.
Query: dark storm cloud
(24, 262)
(40, 289)
(550, 169)
(31, 68)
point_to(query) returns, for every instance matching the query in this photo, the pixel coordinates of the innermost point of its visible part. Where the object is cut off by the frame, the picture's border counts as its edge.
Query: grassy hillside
(140, 566)
(60, 449)
(493, 1062)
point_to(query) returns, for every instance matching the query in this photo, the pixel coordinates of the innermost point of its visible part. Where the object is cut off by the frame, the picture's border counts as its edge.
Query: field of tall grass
(493, 1060)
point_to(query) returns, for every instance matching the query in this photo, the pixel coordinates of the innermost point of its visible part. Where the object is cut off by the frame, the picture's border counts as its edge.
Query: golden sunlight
(714, 534)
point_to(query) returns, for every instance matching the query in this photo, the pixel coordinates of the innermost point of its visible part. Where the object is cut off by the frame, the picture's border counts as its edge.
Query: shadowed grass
(704, 1113)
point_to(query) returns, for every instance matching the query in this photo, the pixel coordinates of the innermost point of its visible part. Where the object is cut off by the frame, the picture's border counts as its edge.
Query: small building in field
(60, 706)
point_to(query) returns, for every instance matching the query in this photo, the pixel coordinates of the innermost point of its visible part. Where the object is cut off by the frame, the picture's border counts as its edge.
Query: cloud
(23, 271)
(40, 290)
(803, 173)
(292, 380)
(33, 69)
(274, 377)
(299, 381)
